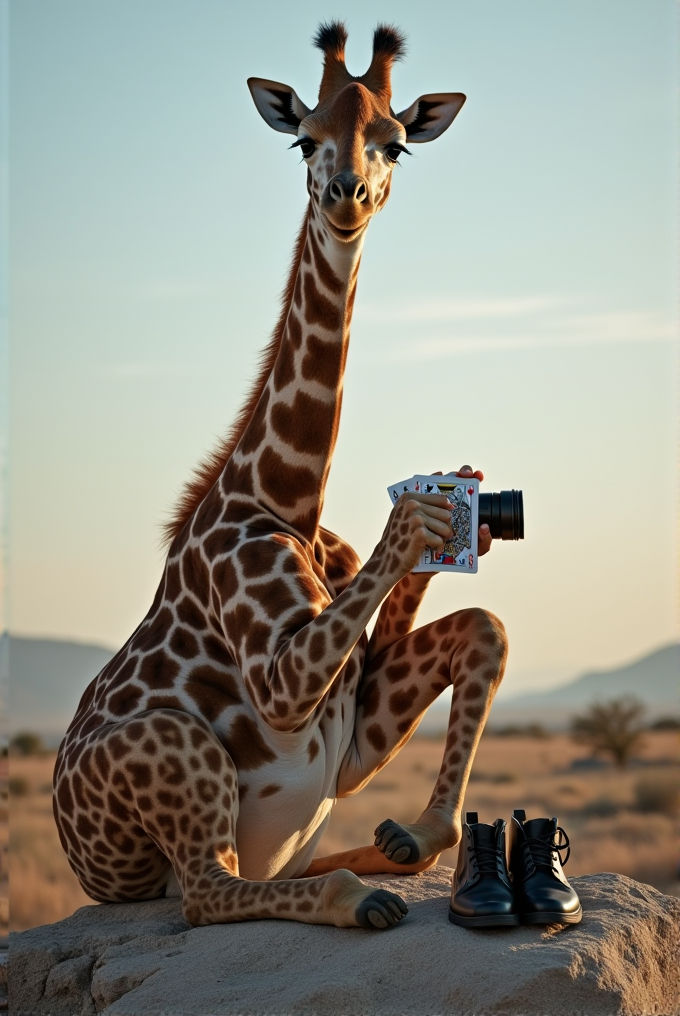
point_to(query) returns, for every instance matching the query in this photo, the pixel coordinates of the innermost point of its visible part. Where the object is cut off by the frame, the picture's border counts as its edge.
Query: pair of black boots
(486, 894)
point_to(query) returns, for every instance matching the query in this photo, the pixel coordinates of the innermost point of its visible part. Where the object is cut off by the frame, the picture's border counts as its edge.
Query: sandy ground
(601, 811)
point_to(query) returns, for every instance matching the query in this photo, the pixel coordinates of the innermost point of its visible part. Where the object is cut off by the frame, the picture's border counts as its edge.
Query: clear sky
(516, 305)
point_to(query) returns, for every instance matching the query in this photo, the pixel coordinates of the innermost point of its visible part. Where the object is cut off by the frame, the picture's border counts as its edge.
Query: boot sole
(554, 917)
(485, 920)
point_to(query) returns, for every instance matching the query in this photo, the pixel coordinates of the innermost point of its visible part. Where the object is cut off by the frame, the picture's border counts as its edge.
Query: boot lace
(541, 849)
(486, 859)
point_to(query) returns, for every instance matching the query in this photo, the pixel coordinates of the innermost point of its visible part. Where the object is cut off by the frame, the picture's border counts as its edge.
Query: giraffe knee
(486, 644)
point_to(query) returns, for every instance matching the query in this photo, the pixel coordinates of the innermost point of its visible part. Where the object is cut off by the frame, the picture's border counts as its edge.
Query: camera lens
(503, 514)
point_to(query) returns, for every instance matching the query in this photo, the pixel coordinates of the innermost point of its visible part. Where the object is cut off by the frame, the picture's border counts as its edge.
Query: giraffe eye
(306, 145)
(393, 152)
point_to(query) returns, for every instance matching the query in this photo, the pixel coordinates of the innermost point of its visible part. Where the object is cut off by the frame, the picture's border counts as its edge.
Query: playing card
(459, 554)
(397, 489)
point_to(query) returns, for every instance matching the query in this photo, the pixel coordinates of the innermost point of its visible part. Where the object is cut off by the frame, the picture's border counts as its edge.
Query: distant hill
(46, 680)
(48, 677)
(654, 679)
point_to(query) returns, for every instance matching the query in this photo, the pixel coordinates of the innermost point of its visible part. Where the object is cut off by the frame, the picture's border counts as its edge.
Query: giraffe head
(352, 139)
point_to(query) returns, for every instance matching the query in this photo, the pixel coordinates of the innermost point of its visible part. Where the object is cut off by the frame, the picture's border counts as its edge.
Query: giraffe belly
(278, 830)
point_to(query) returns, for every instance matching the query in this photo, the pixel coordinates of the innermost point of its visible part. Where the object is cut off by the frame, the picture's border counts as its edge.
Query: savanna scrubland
(617, 820)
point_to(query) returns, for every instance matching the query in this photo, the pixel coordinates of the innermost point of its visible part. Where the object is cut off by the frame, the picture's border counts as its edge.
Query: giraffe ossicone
(206, 756)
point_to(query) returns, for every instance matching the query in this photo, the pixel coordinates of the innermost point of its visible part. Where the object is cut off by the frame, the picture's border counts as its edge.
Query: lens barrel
(503, 514)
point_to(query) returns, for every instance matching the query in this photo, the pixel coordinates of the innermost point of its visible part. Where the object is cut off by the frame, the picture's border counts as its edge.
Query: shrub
(26, 743)
(611, 728)
(666, 723)
(657, 794)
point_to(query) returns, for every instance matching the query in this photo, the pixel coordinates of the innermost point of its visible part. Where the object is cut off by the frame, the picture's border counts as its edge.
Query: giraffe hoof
(381, 909)
(396, 844)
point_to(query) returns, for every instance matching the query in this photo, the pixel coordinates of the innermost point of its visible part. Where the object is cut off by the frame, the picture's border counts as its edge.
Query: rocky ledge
(144, 960)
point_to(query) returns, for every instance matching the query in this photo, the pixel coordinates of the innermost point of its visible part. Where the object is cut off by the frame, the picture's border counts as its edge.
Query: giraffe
(204, 760)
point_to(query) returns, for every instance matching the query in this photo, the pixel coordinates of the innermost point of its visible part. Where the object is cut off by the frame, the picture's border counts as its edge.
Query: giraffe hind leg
(171, 793)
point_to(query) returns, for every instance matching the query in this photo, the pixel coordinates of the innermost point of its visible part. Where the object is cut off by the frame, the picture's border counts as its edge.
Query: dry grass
(599, 810)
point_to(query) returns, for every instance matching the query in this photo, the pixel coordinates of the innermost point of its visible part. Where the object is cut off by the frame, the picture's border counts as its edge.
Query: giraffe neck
(283, 456)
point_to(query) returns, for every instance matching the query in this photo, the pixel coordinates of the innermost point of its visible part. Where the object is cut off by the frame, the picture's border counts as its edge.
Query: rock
(144, 960)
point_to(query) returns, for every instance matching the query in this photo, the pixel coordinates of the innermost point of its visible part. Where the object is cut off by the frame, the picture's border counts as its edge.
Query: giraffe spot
(401, 627)
(180, 541)
(254, 433)
(246, 745)
(474, 659)
(427, 665)
(314, 684)
(258, 557)
(376, 737)
(491, 675)
(473, 690)
(397, 672)
(324, 271)
(184, 644)
(225, 579)
(158, 671)
(217, 651)
(323, 362)
(284, 370)
(312, 749)
(208, 513)
(319, 310)
(207, 790)
(454, 757)
(306, 425)
(140, 774)
(402, 700)
(474, 712)
(212, 690)
(125, 700)
(164, 702)
(317, 646)
(173, 585)
(285, 484)
(464, 620)
(294, 325)
(438, 686)
(191, 615)
(168, 731)
(237, 622)
(304, 907)
(65, 797)
(354, 608)
(275, 596)
(93, 723)
(423, 642)
(220, 541)
(271, 788)
(153, 633)
(340, 635)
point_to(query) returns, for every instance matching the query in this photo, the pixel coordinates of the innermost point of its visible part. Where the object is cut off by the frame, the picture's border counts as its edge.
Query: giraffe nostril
(360, 192)
(336, 191)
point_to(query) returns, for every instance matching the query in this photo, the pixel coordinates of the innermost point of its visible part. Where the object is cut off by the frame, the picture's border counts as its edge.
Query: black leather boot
(542, 892)
(482, 894)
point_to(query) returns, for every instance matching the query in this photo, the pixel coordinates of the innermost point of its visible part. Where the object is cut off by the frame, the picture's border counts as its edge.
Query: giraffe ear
(431, 115)
(278, 104)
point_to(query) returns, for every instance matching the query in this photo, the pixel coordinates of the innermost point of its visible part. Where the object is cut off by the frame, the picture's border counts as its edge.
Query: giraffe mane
(207, 472)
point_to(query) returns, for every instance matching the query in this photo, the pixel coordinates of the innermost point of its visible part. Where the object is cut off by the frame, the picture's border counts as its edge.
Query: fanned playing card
(459, 554)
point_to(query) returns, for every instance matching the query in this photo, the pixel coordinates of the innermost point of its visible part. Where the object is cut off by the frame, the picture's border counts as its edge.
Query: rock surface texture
(144, 960)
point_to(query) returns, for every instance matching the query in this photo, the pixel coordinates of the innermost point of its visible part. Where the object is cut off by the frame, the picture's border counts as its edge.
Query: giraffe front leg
(468, 650)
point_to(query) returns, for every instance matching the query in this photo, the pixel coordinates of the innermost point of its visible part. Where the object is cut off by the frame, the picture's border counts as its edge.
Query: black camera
(503, 513)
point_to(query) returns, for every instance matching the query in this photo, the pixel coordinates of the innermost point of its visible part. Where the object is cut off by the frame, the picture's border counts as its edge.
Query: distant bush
(665, 723)
(535, 730)
(18, 786)
(611, 728)
(601, 807)
(26, 743)
(658, 794)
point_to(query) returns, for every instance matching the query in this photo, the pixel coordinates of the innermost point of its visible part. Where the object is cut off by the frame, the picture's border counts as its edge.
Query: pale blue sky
(516, 304)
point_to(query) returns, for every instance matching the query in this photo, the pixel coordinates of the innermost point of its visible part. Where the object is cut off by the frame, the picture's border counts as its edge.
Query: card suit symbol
(471, 490)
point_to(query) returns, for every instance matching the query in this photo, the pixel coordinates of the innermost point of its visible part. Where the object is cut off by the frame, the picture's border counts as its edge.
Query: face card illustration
(459, 554)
